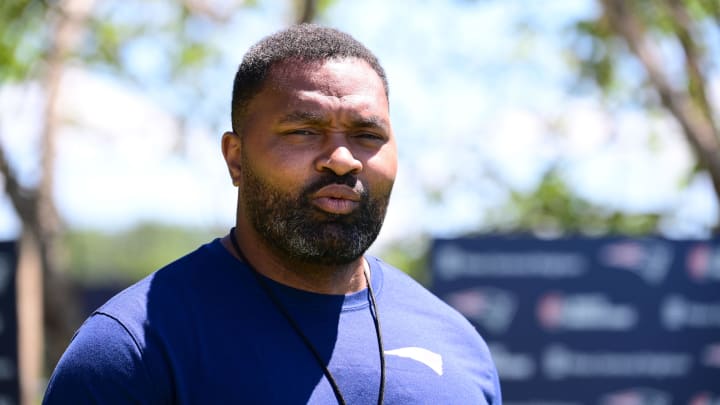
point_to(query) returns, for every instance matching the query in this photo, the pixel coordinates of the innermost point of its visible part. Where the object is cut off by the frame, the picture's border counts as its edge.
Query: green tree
(552, 209)
(34, 32)
(673, 45)
(98, 257)
(39, 39)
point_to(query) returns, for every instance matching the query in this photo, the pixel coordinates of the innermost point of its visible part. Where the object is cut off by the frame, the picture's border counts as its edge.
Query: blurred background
(553, 120)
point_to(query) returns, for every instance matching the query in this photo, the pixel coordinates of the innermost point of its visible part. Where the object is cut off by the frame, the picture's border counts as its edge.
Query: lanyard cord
(291, 321)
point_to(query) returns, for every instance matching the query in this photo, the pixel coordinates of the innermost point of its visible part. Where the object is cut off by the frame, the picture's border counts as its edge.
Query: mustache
(327, 179)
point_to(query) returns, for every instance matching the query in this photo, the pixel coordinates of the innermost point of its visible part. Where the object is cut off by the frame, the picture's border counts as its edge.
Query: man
(286, 309)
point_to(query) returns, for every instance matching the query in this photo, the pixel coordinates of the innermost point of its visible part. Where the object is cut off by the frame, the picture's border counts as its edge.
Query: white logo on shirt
(424, 356)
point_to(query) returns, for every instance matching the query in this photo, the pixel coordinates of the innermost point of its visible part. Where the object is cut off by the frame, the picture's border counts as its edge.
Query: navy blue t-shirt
(202, 331)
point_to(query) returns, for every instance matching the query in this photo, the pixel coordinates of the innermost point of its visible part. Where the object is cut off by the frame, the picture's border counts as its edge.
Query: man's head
(305, 42)
(313, 152)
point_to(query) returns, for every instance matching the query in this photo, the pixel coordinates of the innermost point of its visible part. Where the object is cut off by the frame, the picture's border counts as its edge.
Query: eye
(370, 136)
(302, 132)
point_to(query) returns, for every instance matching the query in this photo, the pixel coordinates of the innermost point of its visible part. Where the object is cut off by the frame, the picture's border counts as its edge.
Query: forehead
(345, 79)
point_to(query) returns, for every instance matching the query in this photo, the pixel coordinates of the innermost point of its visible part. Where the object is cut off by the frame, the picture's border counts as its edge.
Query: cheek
(283, 168)
(382, 168)
(385, 161)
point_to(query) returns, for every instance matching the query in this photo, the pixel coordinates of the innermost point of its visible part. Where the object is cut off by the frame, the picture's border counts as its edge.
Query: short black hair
(305, 42)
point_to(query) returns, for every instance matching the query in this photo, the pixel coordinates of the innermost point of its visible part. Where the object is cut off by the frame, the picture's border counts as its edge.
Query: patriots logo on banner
(649, 259)
(491, 308)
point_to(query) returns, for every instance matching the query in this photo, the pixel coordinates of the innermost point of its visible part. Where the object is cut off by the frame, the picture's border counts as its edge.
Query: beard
(294, 227)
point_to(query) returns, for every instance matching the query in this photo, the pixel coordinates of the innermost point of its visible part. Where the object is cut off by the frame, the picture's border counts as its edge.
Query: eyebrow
(313, 118)
(372, 122)
(304, 117)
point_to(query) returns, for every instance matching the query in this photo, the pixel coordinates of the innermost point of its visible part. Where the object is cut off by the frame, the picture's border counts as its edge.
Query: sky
(472, 98)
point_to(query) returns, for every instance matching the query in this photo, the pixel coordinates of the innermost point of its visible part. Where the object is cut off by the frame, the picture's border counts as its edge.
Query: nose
(339, 160)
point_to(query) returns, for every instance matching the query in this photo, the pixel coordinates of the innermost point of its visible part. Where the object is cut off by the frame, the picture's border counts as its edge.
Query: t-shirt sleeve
(102, 365)
(496, 398)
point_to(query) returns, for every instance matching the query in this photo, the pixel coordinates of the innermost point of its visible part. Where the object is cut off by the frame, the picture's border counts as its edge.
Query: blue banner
(612, 321)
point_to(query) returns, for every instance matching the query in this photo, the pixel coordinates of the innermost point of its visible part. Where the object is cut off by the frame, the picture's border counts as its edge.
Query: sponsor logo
(637, 396)
(560, 363)
(583, 312)
(703, 262)
(678, 313)
(492, 309)
(419, 354)
(512, 366)
(453, 262)
(649, 259)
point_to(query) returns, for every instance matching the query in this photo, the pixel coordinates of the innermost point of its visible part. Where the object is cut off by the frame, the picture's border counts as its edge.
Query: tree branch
(696, 77)
(697, 128)
(213, 11)
(713, 8)
(308, 11)
(23, 200)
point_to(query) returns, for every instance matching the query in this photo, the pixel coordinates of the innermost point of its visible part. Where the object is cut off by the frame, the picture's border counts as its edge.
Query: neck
(323, 279)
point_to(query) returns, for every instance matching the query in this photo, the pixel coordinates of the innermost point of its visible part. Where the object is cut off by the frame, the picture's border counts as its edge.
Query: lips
(336, 199)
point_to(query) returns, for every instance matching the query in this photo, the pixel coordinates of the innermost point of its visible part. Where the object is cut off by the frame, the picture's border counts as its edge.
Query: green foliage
(410, 256)
(324, 5)
(26, 28)
(674, 46)
(600, 52)
(594, 51)
(22, 35)
(553, 209)
(105, 40)
(99, 257)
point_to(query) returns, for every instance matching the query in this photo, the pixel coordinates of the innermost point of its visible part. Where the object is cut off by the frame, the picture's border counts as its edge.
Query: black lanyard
(305, 339)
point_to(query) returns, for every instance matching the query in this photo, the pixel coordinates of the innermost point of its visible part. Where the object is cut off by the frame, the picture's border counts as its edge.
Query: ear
(231, 147)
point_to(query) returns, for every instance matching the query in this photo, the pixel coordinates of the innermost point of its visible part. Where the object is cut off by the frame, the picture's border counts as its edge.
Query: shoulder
(104, 363)
(119, 348)
(162, 286)
(399, 286)
(410, 301)
(418, 318)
